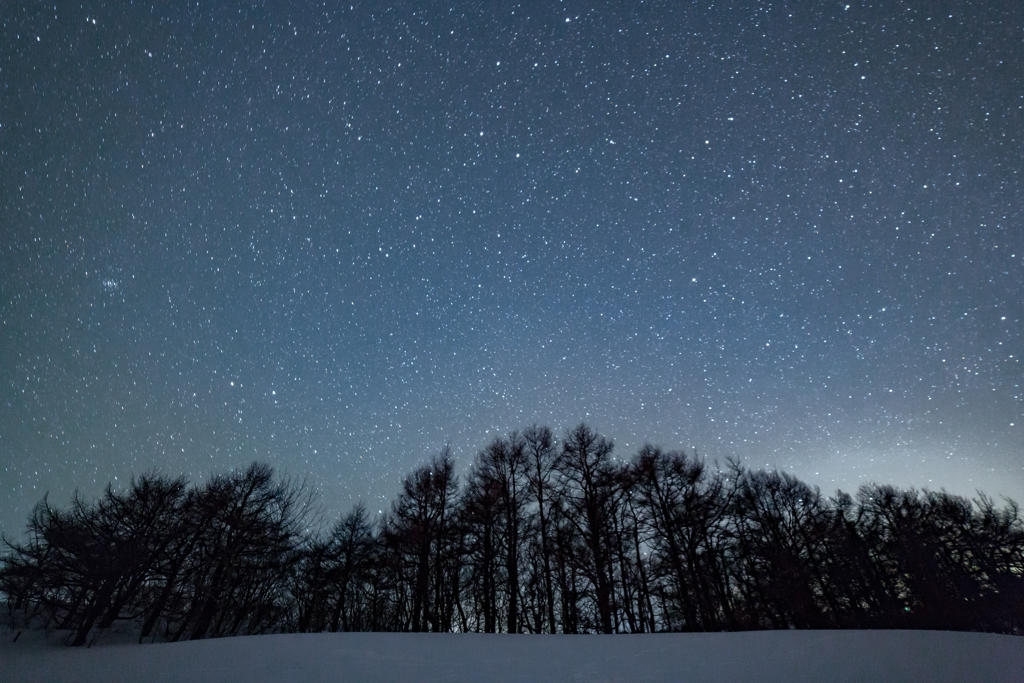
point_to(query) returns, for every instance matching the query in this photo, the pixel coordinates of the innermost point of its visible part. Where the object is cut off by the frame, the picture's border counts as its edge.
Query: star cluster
(336, 238)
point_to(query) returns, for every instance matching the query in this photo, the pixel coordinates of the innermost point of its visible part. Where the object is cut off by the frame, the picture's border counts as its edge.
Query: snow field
(784, 656)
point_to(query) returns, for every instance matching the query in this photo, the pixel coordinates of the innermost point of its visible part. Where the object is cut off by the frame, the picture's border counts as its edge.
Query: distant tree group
(543, 537)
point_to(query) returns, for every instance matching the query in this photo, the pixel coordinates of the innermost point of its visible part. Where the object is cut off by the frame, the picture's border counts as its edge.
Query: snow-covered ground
(832, 656)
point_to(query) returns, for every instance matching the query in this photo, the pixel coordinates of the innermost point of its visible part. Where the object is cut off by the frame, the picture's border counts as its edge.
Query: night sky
(336, 238)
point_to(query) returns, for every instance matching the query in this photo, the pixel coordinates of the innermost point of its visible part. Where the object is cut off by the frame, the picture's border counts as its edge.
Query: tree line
(542, 536)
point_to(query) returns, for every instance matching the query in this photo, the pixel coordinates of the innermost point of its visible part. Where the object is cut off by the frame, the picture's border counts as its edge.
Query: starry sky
(335, 237)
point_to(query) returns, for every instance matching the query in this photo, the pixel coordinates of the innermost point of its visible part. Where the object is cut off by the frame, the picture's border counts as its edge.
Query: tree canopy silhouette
(544, 536)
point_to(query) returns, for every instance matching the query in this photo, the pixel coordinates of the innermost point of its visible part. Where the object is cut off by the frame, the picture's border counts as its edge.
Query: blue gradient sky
(337, 238)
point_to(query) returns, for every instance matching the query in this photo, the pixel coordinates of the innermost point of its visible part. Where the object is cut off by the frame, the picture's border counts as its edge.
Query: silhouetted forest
(542, 536)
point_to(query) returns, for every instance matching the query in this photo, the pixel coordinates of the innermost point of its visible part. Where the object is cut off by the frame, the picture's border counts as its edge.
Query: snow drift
(833, 656)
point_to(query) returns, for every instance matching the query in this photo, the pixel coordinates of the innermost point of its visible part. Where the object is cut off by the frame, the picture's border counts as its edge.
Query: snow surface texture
(833, 656)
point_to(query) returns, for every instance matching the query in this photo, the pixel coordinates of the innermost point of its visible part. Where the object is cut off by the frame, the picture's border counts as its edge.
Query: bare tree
(541, 456)
(480, 515)
(424, 520)
(87, 566)
(333, 576)
(589, 490)
(684, 508)
(503, 466)
(235, 579)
